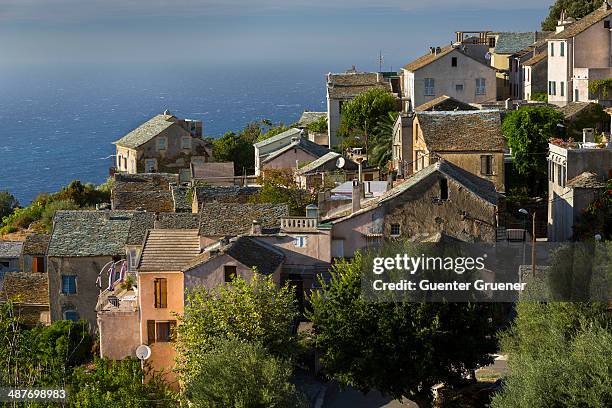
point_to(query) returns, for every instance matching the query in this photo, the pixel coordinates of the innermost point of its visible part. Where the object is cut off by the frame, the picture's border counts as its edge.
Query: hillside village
(178, 219)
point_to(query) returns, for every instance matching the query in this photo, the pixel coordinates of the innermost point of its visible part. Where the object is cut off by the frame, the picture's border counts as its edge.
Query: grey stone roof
(11, 249)
(315, 164)
(536, 59)
(177, 221)
(232, 219)
(462, 130)
(141, 223)
(572, 109)
(444, 103)
(583, 24)
(25, 288)
(586, 180)
(212, 170)
(351, 84)
(303, 144)
(89, 233)
(229, 194)
(309, 117)
(147, 131)
(152, 201)
(36, 244)
(144, 181)
(181, 198)
(286, 134)
(510, 43)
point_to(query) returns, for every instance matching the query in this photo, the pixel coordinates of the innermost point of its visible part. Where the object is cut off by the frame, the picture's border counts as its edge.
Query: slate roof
(147, 131)
(482, 188)
(229, 194)
(36, 244)
(444, 103)
(462, 130)
(428, 58)
(144, 181)
(571, 109)
(169, 250)
(11, 249)
(510, 43)
(536, 59)
(177, 221)
(25, 288)
(212, 170)
(309, 117)
(302, 143)
(141, 223)
(351, 84)
(232, 219)
(249, 251)
(286, 134)
(152, 201)
(181, 198)
(315, 164)
(586, 180)
(89, 233)
(583, 24)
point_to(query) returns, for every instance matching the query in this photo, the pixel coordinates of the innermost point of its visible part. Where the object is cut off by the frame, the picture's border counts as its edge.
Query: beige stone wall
(288, 160)
(119, 334)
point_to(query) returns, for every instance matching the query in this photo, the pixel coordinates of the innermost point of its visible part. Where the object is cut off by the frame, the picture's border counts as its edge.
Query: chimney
(438, 50)
(356, 196)
(588, 135)
(255, 228)
(432, 50)
(312, 211)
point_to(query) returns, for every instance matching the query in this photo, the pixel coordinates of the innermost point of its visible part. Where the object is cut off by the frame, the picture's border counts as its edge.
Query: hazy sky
(217, 32)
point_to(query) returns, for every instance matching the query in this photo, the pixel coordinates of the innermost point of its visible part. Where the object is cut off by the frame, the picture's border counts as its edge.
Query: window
(119, 161)
(552, 49)
(454, 62)
(395, 230)
(38, 264)
(562, 88)
(69, 284)
(161, 143)
(299, 241)
(429, 87)
(71, 315)
(186, 142)
(554, 87)
(161, 332)
(133, 256)
(150, 166)
(5, 264)
(459, 88)
(486, 165)
(491, 42)
(607, 24)
(125, 163)
(443, 189)
(229, 272)
(562, 50)
(481, 88)
(576, 96)
(337, 248)
(161, 293)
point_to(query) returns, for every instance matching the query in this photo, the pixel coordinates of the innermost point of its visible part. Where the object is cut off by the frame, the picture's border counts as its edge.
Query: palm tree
(382, 140)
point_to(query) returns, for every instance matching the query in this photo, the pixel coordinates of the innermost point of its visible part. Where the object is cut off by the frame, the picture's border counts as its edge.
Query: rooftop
(586, 180)
(303, 144)
(140, 224)
(11, 249)
(144, 181)
(25, 288)
(310, 117)
(510, 43)
(36, 244)
(583, 24)
(350, 84)
(181, 198)
(536, 59)
(212, 170)
(152, 201)
(237, 218)
(315, 164)
(169, 250)
(287, 134)
(147, 131)
(478, 130)
(444, 103)
(430, 57)
(177, 221)
(571, 109)
(231, 194)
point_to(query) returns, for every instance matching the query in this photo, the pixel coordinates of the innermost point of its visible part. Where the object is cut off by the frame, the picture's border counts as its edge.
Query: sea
(57, 123)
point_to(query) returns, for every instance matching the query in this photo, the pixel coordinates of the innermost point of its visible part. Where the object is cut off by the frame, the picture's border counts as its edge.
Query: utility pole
(533, 244)
(380, 60)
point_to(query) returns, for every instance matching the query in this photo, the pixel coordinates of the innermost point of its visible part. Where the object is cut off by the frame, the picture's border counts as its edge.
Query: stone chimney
(588, 135)
(255, 228)
(356, 196)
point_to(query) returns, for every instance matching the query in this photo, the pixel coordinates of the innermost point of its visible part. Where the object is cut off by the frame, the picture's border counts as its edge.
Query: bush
(48, 213)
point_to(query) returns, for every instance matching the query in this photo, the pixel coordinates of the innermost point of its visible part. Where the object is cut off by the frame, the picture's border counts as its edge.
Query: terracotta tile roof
(232, 219)
(537, 59)
(11, 249)
(147, 131)
(227, 194)
(177, 221)
(249, 251)
(169, 250)
(25, 288)
(304, 144)
(89, 233)
(583, 24)
(351, 84)
(586, 180)
(444, 103)
(462, 130)
(36, 244)
(152, 201)
(140, 224)
(144, 181)
(310, 117)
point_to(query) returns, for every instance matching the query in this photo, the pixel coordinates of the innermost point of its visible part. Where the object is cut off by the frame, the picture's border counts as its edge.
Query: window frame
(230, 272)
(78, 317)
(154, 331)
(160, 293)
(188, 145)
(395, 230)
(459, 88)
(300, 241)
(486, 165)
(74, 283)
(481, 86)
(430, 87)
(165, 143)
(552, 49)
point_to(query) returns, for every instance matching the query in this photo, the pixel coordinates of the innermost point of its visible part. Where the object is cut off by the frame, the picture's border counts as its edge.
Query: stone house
(10, 255)
(578, 54)
(29, 293)
(448, 71)
(202, 194)
(576, 177)
(82, 245)
(272, 144)
(297, 153)
(342, 88)
(442, 198)
(472, 140)
(34, 252)
(164, 143)
(213, 173)
(153, 192)
(329, 168)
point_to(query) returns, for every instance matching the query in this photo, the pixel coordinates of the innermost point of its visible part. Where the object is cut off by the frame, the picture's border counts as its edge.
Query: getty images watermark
(465, 272)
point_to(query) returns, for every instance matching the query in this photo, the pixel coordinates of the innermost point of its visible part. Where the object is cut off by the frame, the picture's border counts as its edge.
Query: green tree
(527, 131)
(8, 203)
(279, 186)
(559, 356)
(118, 384)
(319, 125)
(574, 8)
(254, 310)
(237, 373)
(48, 213)
(235, 148)
(381, 144)
(362, 114)
(399, 348)
(596, 218)
(590, 117)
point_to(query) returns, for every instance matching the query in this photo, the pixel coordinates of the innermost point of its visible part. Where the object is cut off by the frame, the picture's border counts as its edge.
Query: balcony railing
(298, 223)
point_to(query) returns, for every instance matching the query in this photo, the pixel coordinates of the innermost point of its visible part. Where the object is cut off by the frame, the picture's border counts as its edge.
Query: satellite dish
(143, 352)
(340, 162)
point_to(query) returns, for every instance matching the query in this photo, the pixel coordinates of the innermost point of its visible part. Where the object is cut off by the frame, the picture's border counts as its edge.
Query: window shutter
(151, 331)
(157, 293)
(164, 293)
(483, 164)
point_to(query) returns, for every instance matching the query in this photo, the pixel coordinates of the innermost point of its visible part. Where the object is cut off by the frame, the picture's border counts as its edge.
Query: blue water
(57, 123)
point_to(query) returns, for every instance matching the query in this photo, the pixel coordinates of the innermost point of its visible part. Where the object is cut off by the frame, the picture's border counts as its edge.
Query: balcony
(299, 224)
